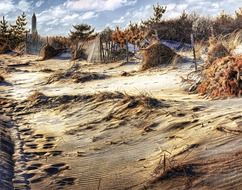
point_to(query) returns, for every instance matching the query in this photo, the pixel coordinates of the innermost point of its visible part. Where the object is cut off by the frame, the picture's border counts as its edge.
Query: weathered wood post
(127, 50)
(26, 42)
(212, 31)
(194, 29)
(194, 51)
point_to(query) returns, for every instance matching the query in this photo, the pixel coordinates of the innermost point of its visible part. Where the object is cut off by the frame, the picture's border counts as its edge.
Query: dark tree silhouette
(81, 32)
(4, 30)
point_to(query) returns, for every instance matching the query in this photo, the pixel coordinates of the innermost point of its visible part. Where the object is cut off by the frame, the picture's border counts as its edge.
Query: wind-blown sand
(89, 136)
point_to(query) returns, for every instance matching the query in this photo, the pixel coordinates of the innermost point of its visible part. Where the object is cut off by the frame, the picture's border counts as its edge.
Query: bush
(157, 54)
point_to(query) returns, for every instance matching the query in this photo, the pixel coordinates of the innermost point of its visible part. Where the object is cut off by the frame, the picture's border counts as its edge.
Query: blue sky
(56, 17)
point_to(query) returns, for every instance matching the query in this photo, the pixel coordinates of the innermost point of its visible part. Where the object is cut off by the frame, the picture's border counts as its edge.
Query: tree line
(178, 29)
(12, 35)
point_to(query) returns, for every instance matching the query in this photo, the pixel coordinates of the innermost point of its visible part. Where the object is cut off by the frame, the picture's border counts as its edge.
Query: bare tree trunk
(194, 51)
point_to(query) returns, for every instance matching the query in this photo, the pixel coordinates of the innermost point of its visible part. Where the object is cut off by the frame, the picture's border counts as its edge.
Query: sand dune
(114, 133)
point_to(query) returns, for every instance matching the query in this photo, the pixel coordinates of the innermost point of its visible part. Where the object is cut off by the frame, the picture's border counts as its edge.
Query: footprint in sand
(29, 175)
(34, 166)
(55, 168)
(66, 181)
(34, 155)
(38, 136)
(32, 146)
(50, 139)
(48, 171)
(48, 145)
(27, 133)
(56, 152)
(37, 179)
(24, 130)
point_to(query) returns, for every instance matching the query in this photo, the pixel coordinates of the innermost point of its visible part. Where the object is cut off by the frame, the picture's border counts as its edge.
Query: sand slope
(88, 136)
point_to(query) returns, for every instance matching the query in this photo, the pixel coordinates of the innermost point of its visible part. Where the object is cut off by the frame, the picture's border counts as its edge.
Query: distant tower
(34, 24)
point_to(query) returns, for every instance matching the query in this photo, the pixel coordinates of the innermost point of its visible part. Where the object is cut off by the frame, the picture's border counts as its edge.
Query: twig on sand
(99, 184)
(226, 130)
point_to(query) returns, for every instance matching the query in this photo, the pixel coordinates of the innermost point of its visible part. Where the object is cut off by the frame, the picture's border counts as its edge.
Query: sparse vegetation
(216, 50)
(60, 42)
(157, 54)
(48, 52)
(222, 78)
(76, 75)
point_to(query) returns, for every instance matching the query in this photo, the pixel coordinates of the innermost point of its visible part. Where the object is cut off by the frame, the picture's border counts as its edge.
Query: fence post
(212, 31)
(194, 51)
(26, 42)
(127, 51)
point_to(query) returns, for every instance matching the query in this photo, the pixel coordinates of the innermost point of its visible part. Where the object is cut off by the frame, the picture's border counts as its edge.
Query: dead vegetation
(170, 168)
(157, 54)
(221, 75)
(76, 75)
(37, 98)
(48, 52)
(232, 40)
(40, 100)
(216, 50)
(222, 78)
(46, 70)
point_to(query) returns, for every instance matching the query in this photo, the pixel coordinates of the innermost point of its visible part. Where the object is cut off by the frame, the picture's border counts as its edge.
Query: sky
(56, 17)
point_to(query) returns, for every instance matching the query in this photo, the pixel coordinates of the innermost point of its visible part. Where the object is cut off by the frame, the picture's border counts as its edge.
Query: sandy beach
(112, 133)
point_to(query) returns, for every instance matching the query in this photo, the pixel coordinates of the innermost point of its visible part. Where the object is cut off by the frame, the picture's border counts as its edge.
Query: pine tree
(81, 32)
(4, 31)
(17, 31)
(20, 29)
(158, 12)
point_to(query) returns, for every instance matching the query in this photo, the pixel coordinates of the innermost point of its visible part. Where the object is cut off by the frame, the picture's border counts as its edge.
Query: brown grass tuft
(76, 75)
(36, 96)
(216, 50)
(222, 78)
(232, 40)
(48, 52)
(157, 54)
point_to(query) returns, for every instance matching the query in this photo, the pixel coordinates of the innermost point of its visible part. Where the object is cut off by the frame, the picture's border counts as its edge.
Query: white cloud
(61, 18)
(119, 21)
(97, 5)
(24, 5)
(142, 13)
(6, 6)
(134, 15)
(70, 17)
(39, 3)
(88, 15)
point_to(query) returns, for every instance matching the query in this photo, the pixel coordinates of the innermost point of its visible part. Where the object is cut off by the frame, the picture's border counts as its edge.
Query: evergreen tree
(17, 31)
(4, 31)
(21, 24)
(158, 12)
(81, 32)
